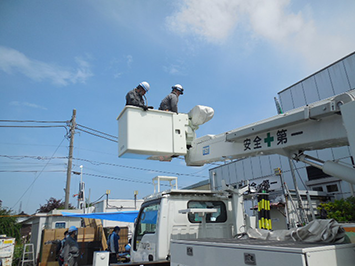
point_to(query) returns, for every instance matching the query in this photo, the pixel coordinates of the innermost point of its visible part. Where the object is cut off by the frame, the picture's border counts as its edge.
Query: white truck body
(166, 217)
(194, 227)
(241, 252)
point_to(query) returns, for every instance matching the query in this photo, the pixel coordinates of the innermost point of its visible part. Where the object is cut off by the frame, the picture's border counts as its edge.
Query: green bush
(340, 210)
(9, 225)
(17, 254)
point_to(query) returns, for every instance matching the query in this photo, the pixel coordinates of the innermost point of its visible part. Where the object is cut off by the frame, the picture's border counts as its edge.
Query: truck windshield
(147, 221)
(217, 217)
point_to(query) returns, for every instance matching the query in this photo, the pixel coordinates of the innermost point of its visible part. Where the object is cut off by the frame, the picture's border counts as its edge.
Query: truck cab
(179, 214)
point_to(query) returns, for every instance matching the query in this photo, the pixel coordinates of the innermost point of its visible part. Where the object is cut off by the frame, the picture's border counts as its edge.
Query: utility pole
(135, 199)
(70, 159)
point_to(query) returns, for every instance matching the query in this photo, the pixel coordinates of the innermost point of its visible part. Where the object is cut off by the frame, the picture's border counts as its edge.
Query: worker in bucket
(170, 102)
(71, 248)
(135, 96)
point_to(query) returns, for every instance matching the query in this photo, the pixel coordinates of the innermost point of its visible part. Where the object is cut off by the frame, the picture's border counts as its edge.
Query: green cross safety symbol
(268, 139)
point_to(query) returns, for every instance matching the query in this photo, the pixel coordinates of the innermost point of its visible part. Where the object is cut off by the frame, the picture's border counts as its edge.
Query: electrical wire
(17, 157)
(96, 135)
(118, 178)
(34, 126)
(26, 144)
(137, 168)
(31, 171)
(31, 121)
(38, 175)
(103, 133)
(31, 164)
(97, 199)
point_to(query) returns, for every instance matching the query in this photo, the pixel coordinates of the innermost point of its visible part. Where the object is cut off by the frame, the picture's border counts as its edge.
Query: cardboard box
(86, 234)
(51, 237)
(48, 253)
(59, 233)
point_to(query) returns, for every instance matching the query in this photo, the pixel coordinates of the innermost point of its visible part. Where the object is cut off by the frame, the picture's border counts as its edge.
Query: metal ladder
(28, 255)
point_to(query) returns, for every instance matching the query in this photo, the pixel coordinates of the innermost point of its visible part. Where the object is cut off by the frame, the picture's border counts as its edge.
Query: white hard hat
(178, 87)
(145, 85)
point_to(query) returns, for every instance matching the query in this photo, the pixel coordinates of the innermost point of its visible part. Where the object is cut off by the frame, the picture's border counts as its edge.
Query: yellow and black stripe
(264, 211)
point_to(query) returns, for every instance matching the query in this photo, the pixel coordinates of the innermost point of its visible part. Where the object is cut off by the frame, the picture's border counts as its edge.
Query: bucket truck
(199, 227)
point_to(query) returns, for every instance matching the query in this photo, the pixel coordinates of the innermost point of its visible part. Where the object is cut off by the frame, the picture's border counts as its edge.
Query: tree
(342, 210)
(8, 224)
(52, 204)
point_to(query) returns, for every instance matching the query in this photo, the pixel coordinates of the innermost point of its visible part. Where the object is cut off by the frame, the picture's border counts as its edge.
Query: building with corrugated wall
(334, 79)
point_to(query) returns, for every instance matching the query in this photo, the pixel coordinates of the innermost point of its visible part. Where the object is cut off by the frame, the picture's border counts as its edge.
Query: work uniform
(170, 103)
(71, 252)
(113, 246)
(60, 251)
(134, 98)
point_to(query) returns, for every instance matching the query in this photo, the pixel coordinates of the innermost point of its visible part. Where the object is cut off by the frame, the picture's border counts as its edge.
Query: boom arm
(161, 135)
(324, 124)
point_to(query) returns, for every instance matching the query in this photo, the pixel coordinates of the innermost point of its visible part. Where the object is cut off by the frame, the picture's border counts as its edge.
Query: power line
(20, 157)
(137, 168)
(98, 199)
(96, 135)
(31, 121)
(30, 171)
(33, 126)
(98, 131)
(78, 126)
(38, 175)
(27, 144)
(17, 157)
(121, 179)
(30, 164)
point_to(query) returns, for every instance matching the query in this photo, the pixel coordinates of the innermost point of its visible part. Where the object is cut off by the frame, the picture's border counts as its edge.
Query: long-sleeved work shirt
(170, 103)
(114, 237)
(134, 98)
(71, 251)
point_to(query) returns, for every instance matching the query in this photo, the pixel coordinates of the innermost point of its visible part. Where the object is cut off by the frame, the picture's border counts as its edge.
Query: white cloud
(117, 68)
(172, 69)
(12, 61)
(175, 69)
(129, 61)
(82, 72)
(213, 20)
(297, 34)
(291, 31)
(27, 104)
(271, 20)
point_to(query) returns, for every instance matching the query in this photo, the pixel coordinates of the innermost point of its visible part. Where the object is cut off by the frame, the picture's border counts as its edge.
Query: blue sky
(56, 56)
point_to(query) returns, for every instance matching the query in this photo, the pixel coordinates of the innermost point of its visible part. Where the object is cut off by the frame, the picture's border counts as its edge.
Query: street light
(81, 174)
(81, 197)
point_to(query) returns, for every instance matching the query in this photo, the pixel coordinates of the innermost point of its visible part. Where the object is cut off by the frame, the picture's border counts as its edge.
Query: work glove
(145, 108)
(150, 107)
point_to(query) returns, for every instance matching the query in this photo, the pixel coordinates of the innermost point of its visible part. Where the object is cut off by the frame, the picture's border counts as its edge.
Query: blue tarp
(124, 216)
